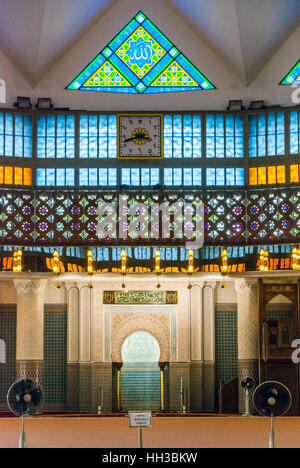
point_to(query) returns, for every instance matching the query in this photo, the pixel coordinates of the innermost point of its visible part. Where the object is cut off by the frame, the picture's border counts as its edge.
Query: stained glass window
(56, 136)
(224, 176)
(140, 59)
(15, 175)
(140, 176)
(293, 76)
(182, 136)
(101, 176)
(224, 136)
(266, 134)
(15, 135)
(295, 132)
(294, 173)
(98, 136)
(267, 175)
(183, 176)
(55, 177)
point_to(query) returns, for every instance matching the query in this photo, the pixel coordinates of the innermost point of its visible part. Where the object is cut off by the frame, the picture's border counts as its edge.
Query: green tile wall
(226, 343)
(55, 357)
(8, 327)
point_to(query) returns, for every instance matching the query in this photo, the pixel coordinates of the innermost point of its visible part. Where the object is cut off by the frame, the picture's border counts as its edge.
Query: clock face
(140, 136)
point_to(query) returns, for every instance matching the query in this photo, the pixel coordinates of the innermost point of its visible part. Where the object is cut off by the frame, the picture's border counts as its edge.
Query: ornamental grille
(29, 217)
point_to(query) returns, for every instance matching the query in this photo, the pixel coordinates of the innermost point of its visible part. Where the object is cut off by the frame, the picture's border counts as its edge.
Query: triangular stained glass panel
(293, 77)
(140, 59)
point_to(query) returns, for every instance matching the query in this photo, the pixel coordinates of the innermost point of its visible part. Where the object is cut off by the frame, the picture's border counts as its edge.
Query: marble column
(30, 328)
(248, 333)
(196, 347)
(208, 330)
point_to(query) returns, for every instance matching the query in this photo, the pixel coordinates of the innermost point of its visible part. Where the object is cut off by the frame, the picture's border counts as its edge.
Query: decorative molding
(30, 370)
(140, 297)
(24, 286)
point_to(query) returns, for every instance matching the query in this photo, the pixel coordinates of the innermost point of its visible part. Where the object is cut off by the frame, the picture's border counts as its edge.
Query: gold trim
(110, 298)
(144, 158)
(162, 390)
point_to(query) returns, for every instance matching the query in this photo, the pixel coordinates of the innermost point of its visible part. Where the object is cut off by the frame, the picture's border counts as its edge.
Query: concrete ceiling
(245, 34)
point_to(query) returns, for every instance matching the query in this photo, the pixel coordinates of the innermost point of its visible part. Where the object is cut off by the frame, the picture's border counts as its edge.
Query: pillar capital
(210, 284)
(29, 287)
(243, 285)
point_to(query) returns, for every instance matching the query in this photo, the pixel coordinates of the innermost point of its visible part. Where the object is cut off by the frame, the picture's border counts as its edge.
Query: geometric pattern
(107, 75)
(174, 74)
(140, 60)
(231, 217)
(293, 77)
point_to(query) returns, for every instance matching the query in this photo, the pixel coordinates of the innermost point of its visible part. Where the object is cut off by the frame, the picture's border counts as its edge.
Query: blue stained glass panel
(83, 177)
(135, 62)
(294, 132)
(267, 134)
(41, 177)
(126, 177)
(93, 176)
(9, 131)
(182, 136)
(224, 136)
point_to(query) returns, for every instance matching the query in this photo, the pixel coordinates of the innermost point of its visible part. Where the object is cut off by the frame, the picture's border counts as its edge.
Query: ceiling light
(44, 104)
(235, 106)
(23, 102)
(254, 105)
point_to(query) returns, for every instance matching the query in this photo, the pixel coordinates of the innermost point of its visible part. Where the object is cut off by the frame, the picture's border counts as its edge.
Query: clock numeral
(140, 122)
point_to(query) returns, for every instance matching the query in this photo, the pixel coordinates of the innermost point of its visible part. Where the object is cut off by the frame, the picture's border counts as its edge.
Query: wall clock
(140, 136)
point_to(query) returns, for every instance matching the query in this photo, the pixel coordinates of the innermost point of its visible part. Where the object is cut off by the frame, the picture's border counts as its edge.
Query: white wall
(77, 57)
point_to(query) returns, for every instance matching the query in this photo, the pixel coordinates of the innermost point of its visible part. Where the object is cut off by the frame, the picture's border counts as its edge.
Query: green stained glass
(140, 59)
(293, 77)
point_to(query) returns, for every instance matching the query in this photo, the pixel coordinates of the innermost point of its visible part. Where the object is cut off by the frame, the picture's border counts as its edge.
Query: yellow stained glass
(27, 176)
(174, 75)
(294, 173)
(262, 176)
(18, 176)
(8, 175)
(1, 175)
(272, 175)
(107, 75)
(281, 174)
(253, 176)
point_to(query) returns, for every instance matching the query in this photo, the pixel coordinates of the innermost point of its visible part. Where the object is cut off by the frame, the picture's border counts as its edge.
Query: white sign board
(140, 419)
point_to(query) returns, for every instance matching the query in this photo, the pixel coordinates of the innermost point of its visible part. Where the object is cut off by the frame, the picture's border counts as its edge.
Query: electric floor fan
(24, 398)
(272, 399)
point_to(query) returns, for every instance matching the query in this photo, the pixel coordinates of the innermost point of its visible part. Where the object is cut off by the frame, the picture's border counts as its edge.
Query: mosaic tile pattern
(293, 77)
(8, 326)
(226, 336)
(55, 357)
(140, 59)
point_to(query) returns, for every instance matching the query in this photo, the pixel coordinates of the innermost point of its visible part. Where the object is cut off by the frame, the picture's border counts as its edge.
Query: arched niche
(141, 323)
(280, 307)
(141, 347)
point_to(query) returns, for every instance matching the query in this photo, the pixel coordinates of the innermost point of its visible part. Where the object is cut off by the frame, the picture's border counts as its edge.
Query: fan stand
(247, 404)
(272, 438)
(22, 440)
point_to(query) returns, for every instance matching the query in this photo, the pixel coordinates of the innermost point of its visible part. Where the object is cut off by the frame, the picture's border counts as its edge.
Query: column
(248, 333)
(208, 331)
(30, 328)
(196, 325)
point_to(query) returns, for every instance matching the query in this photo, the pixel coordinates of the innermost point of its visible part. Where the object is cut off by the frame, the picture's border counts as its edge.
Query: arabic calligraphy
(141, 52)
